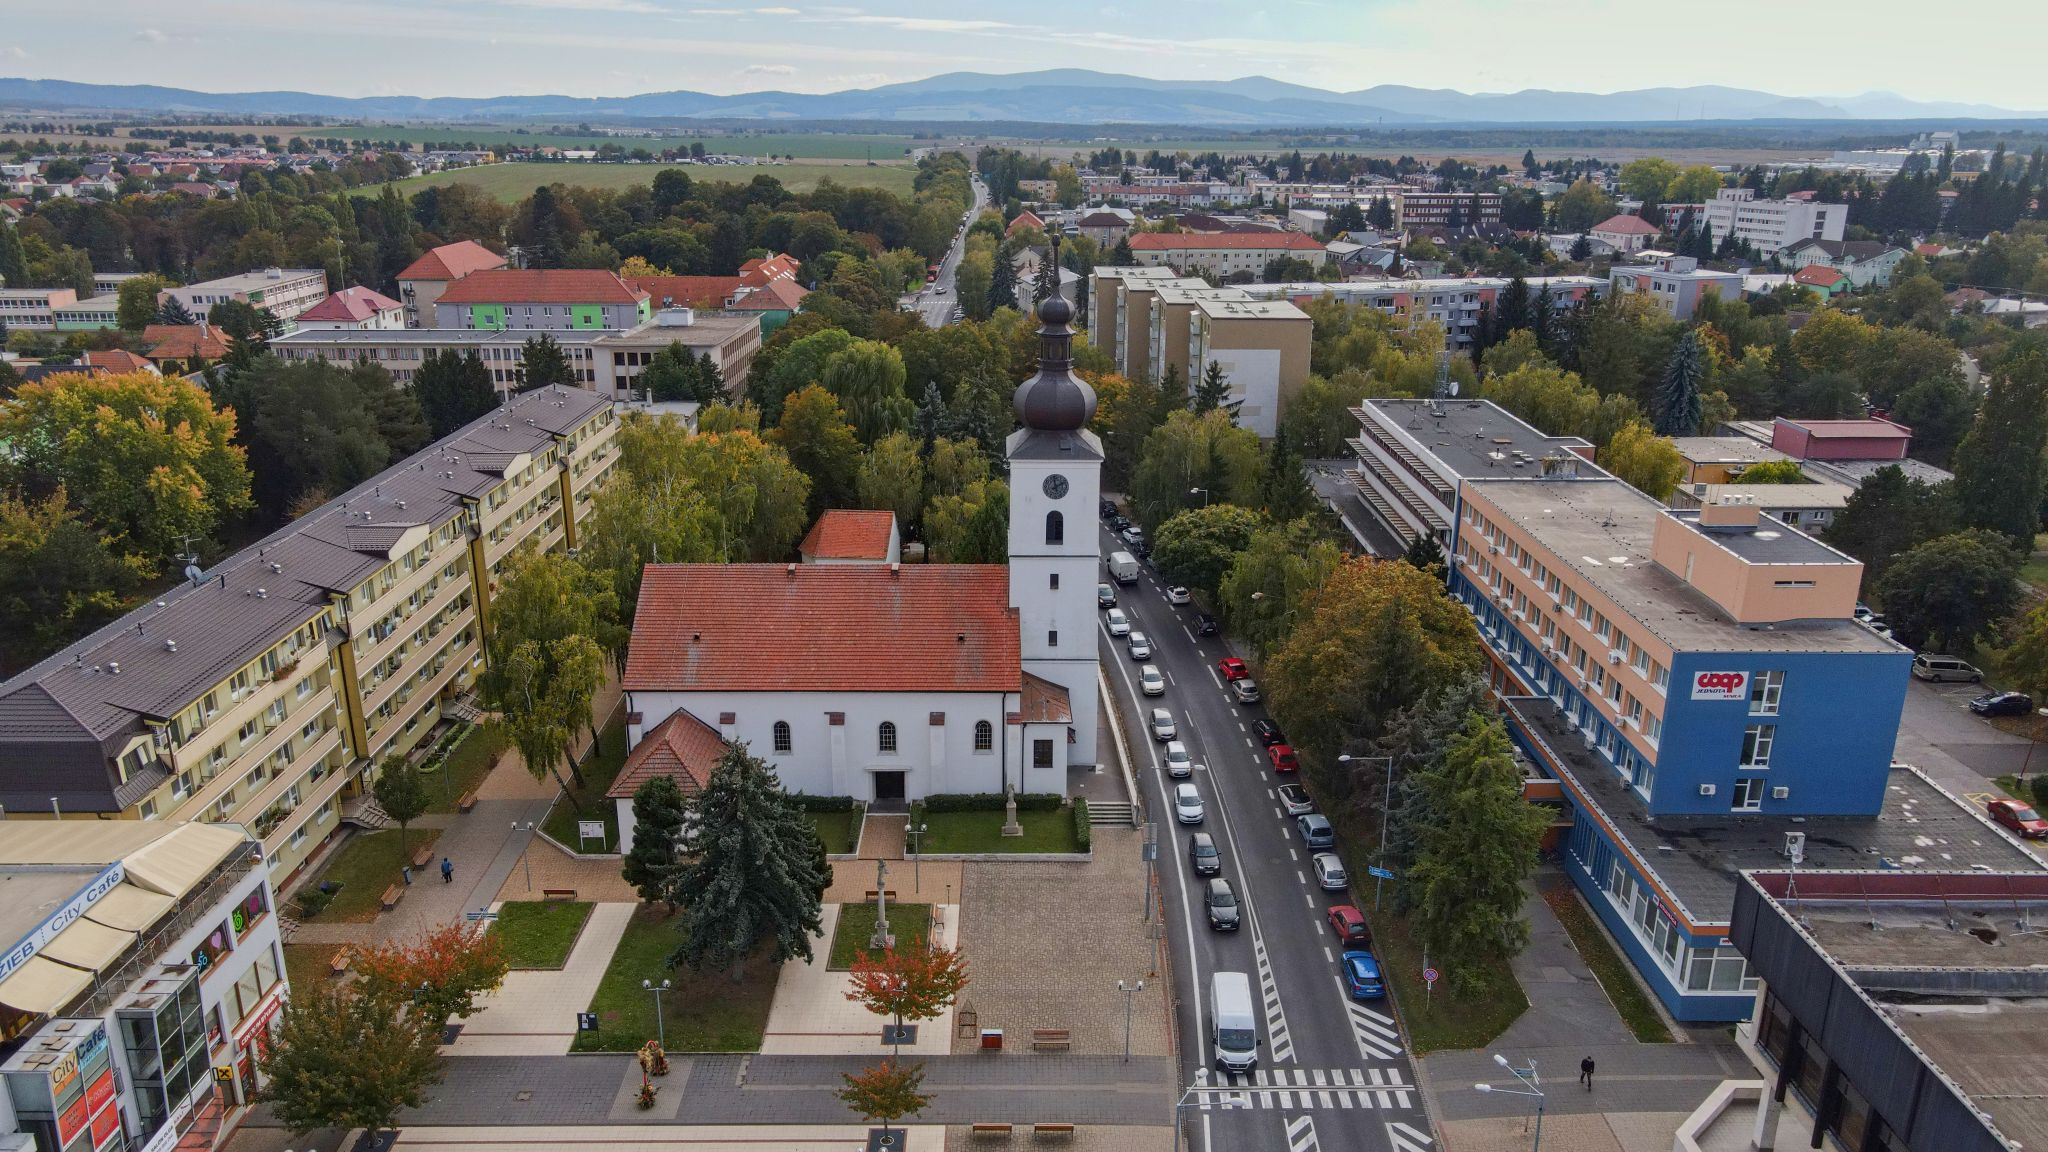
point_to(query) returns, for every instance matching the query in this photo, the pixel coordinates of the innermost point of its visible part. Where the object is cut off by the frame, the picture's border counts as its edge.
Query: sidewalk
(1641, 1091)
(534, 1012)
(811, 1015)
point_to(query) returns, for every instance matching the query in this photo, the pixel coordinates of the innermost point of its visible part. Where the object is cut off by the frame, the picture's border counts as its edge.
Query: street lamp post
(1379, 883)
(1205, 495)
(660, 1029)
(1130, 991)
(1531, 1086)
(525, 858)
(916, 836)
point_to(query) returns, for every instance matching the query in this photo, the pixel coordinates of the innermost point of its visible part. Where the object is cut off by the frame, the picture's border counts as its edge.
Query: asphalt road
(937, 308)
(1333, 1074)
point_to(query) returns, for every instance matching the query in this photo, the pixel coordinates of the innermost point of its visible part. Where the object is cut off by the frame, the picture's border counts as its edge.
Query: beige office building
(266, 690)
(1263, 346)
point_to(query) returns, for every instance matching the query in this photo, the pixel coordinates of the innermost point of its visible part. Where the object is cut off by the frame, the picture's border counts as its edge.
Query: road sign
(1382, 873)
(586, 1021)
(1430, 975)
(1149, 851)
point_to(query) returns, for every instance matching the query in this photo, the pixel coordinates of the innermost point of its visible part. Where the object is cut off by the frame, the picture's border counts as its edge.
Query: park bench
(343, 957)
(423, 856)
(989, 1131)
(558, 893)
(870, 897)
(467, 802)
(392, 896)
(1051, 1040)
(1052, 1131)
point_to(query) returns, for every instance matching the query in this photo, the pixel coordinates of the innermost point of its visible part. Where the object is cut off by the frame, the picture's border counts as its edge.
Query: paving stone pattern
(1046, 944)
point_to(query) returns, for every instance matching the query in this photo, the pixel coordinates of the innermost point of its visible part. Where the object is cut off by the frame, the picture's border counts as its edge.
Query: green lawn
(839, 830)
(703, 1012)
(510, 183)
(467, 765)
(1609, 966)
(1443, 1020)
(598, 773)
(856, 928)
(307, 964)
(983, 832)
(540, 933)
(364, 866)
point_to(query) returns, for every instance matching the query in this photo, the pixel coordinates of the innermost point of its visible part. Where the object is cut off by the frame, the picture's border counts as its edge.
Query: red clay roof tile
(824, 628)
(452, 262)
(542, 286)
(849, 534)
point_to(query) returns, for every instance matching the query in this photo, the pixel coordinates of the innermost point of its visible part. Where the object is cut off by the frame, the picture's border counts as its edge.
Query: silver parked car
(1162, 725)
(1329, 872)
(1179, 764)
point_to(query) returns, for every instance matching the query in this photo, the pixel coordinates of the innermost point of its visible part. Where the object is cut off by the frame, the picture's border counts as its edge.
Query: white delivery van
(1123, 567)
(1236, 1030)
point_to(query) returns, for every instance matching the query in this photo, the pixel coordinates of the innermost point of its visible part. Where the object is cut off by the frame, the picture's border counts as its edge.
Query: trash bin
(992, 1039)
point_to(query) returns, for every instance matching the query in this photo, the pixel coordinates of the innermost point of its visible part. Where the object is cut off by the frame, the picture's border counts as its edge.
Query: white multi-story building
(284, 292)
(1768, 225)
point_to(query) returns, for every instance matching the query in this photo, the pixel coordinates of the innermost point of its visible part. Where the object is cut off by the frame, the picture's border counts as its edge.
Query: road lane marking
(1326, 954)
(1301, 1135)
(1294, 856)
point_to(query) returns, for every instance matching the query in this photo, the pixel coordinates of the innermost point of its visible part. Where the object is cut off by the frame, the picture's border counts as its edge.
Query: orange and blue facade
(1678, 672)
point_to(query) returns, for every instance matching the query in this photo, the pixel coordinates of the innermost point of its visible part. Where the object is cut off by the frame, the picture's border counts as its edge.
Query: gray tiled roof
(66, 713)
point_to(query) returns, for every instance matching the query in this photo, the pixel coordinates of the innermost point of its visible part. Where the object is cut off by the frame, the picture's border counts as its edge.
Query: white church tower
(1055, 559)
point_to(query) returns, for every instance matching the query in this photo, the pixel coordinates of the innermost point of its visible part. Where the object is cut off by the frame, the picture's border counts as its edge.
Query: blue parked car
(1362, 976)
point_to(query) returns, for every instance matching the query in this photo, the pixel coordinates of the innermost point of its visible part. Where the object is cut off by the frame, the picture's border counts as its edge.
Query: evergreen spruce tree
(1283, 490)
(1081, 298)
(1424, 552)
(1381, 214)
(1998, 465)
(1046, 282)
(655, 863)
(987, 538)
(710, 380)
(1703, 244)
(1173, 393)
(1678, 401)
(13, 266)
(453, 388)
(1543, 317)
(1214, 389)
(173, 311)
(1582, 248)
(1512, 311)
(757, 876)
(542, 362)
(931, 419)
(1120, 256)
(1002, 285)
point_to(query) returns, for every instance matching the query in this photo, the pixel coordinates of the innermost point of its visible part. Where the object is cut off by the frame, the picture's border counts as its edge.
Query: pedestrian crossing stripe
(1304, 1088)
(1278, 1042)
(1376, 1033)
(1301, 1135)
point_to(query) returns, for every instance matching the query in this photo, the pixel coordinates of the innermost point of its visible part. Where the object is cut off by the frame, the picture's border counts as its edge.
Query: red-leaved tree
(918, 982)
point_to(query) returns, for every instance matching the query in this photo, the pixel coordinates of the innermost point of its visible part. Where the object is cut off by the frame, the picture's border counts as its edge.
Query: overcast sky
(1984, 51)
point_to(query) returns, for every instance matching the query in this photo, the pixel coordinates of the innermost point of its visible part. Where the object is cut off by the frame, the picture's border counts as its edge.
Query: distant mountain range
(1058, 96)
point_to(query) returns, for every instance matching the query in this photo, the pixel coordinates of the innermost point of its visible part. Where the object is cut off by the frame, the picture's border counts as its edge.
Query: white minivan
(1235, 1032)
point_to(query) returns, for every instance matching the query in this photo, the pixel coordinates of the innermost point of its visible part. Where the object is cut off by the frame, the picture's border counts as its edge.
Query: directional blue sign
(1381, 873)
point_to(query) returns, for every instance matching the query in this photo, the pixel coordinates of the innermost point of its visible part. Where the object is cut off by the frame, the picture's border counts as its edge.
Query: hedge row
(992, 802)
(810, 803)
(1084, 836)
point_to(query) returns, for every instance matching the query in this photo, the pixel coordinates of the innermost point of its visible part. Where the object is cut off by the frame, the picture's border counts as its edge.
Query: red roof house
(184, 341)
(542, 286)
(682, 748)
(452, 262)
(118, 360)
(353, 307)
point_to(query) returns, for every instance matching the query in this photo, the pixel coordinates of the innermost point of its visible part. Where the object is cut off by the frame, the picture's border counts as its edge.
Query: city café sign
(61, 919)
(1720, 685)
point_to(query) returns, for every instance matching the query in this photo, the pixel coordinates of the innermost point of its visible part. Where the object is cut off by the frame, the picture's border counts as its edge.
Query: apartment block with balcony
(267, 689)
(1771, 225)
(1120, 313)
(1695, 682)
(1262, 347)
(1454, 302)
(1412, 455)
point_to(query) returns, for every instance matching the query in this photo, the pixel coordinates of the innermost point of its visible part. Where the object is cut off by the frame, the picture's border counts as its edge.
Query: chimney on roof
(113, 668)
(170, 645)
(792, 572)
(960, 637)
(895, 569)
(696, 636)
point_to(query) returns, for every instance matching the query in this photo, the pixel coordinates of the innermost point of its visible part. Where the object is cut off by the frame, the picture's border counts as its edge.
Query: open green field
(514, 182)
(880, 147)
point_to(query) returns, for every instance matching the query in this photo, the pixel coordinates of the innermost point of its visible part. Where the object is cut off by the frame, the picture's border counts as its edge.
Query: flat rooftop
(1602, 529)
(251, 281)
(1826, 494)
(1699, 859)
(1725, 450)
(1232, 309)
(1177, 292)
(704, 330)
(1471, 438)
(1956, 964)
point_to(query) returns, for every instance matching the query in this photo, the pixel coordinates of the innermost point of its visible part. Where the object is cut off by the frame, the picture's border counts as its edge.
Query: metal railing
(195, 906)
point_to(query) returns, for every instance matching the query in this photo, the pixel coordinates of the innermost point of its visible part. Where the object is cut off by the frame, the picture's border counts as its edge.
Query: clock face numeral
(1055, 486)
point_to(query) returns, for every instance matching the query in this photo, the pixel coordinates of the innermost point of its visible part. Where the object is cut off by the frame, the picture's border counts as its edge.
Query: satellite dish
(1454, 388)
(193, 574)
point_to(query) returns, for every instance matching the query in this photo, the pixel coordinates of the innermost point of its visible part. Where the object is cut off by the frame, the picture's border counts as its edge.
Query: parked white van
(1236, 1030)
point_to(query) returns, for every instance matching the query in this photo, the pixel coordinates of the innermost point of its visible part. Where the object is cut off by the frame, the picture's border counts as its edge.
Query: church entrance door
(889, 787)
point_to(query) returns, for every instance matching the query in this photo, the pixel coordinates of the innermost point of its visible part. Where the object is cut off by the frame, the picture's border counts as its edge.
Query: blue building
(1693, 681)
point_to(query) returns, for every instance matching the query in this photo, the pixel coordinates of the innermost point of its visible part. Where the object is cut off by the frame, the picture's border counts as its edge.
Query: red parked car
(1283, 758)
(1232, 668)
(1349, 925)
(2018, 819)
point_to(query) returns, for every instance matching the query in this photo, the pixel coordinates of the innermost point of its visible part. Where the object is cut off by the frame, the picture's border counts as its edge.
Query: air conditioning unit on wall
(1708, 789)
(1780, 792)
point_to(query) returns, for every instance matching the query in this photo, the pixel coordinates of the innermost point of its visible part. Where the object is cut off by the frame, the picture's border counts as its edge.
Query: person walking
(448, 873)
(1586, 1073)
